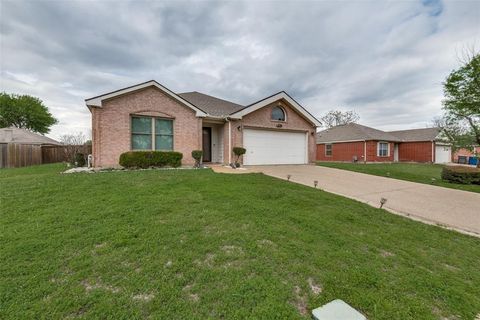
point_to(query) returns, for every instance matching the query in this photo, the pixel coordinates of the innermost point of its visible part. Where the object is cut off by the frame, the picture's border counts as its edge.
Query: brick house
(355, 142)
(466, 153)
(148, 116)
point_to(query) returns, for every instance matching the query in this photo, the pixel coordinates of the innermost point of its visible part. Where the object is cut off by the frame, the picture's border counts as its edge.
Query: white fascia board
(343, 141)
(272, 99)
(97, 101)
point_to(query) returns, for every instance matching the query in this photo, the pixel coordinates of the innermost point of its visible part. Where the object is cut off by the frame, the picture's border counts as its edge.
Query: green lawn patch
(416, 172)
(192, 244)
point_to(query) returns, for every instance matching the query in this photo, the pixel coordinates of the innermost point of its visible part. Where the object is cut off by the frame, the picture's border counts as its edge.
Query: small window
(278, 114)
(328, 150)
(150, 133)
(383, 149)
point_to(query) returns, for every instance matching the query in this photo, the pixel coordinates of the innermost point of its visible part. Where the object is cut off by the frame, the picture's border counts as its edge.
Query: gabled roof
(275, 97)
(22, 136)
(353, 132)
(425, 134)
(97, 101)
(211, 105)
(205, 105)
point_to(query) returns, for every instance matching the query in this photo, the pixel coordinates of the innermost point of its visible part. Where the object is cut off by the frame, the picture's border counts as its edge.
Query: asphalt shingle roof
(211, 105)
(16, 135)
(425, 134)
(353, 131)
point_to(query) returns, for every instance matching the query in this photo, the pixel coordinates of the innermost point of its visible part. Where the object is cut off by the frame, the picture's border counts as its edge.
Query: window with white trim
(383, 149)
(150, 133)
(278, 114)
(328, 150)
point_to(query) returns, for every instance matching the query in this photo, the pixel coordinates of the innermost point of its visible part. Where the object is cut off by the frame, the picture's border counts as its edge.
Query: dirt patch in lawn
(316, 288)
(300, 301)
(89, 286)
(143, 297)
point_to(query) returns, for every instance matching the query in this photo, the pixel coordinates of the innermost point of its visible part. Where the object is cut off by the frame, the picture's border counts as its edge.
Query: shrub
(197, 155)
(147, 159)
(79, 159)
(238, 151)
(459, 174)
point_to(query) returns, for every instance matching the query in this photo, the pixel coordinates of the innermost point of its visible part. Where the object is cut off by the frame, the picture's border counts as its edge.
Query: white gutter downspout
(433, 152)
(229, 141)
(365, 151)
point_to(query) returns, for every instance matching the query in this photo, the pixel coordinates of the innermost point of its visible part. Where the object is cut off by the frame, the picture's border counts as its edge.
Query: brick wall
(111, 132)
(261, 119)
(415, 151)
(407, 151)
(341, 151)
(372, 152)
(464, 152)
(345, 151)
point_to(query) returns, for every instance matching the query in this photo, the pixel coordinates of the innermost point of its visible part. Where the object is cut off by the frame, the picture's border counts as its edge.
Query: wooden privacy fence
(14, 155)
(53, 154)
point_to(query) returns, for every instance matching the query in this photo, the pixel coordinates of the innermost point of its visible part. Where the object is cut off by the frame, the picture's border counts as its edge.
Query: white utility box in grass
(337, 310)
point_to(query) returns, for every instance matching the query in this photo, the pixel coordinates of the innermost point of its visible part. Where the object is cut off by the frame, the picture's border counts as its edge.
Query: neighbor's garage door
(443, 154)
(274, 147)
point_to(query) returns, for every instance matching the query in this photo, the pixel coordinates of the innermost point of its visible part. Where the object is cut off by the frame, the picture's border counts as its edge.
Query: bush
(197, 155)
(459, 174)
(79, 160)
(238, 151)
(147, 159)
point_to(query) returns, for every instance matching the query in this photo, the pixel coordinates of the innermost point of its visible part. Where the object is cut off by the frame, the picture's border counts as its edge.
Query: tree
(336, 117)
(24, 111)
(73, 144)
(462, 100)
(455, 133)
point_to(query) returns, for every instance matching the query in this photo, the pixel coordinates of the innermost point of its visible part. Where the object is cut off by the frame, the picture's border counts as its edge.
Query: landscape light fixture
(382, 202)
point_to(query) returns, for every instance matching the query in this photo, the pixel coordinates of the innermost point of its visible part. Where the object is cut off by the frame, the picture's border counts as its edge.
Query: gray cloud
(386, 60)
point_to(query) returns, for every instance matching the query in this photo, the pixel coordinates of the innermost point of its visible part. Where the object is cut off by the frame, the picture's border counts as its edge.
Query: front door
(207, 144)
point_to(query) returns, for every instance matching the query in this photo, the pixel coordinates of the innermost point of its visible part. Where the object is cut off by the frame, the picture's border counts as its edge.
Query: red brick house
(354, 142)
(466, 153)
(148, 116)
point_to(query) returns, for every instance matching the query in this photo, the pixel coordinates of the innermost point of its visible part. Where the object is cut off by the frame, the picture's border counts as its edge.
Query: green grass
(192, 244)
(416, 172)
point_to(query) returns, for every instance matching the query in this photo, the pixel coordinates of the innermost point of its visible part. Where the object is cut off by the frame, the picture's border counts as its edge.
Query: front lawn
(416, 172)
(192, 244)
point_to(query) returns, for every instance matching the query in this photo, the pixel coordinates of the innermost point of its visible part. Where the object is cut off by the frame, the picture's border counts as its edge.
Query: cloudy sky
(385, 60)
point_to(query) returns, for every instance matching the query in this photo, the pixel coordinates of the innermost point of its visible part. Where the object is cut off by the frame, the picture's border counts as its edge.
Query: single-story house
(355, 142)
(149, 116)
(23, 136)
(21, 148)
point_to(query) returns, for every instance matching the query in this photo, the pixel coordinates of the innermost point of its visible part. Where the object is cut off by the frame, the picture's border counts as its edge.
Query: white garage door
(443, 154)
(274, 147)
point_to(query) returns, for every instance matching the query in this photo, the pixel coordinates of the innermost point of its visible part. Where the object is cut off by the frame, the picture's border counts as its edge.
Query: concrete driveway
(459, 210)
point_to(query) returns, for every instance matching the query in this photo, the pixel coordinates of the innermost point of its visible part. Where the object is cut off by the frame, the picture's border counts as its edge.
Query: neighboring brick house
(148, 116)
(466, 154)
(355, 142)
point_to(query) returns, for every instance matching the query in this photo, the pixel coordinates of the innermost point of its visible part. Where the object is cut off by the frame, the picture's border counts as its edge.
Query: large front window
(150, 133)
(383, 149)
